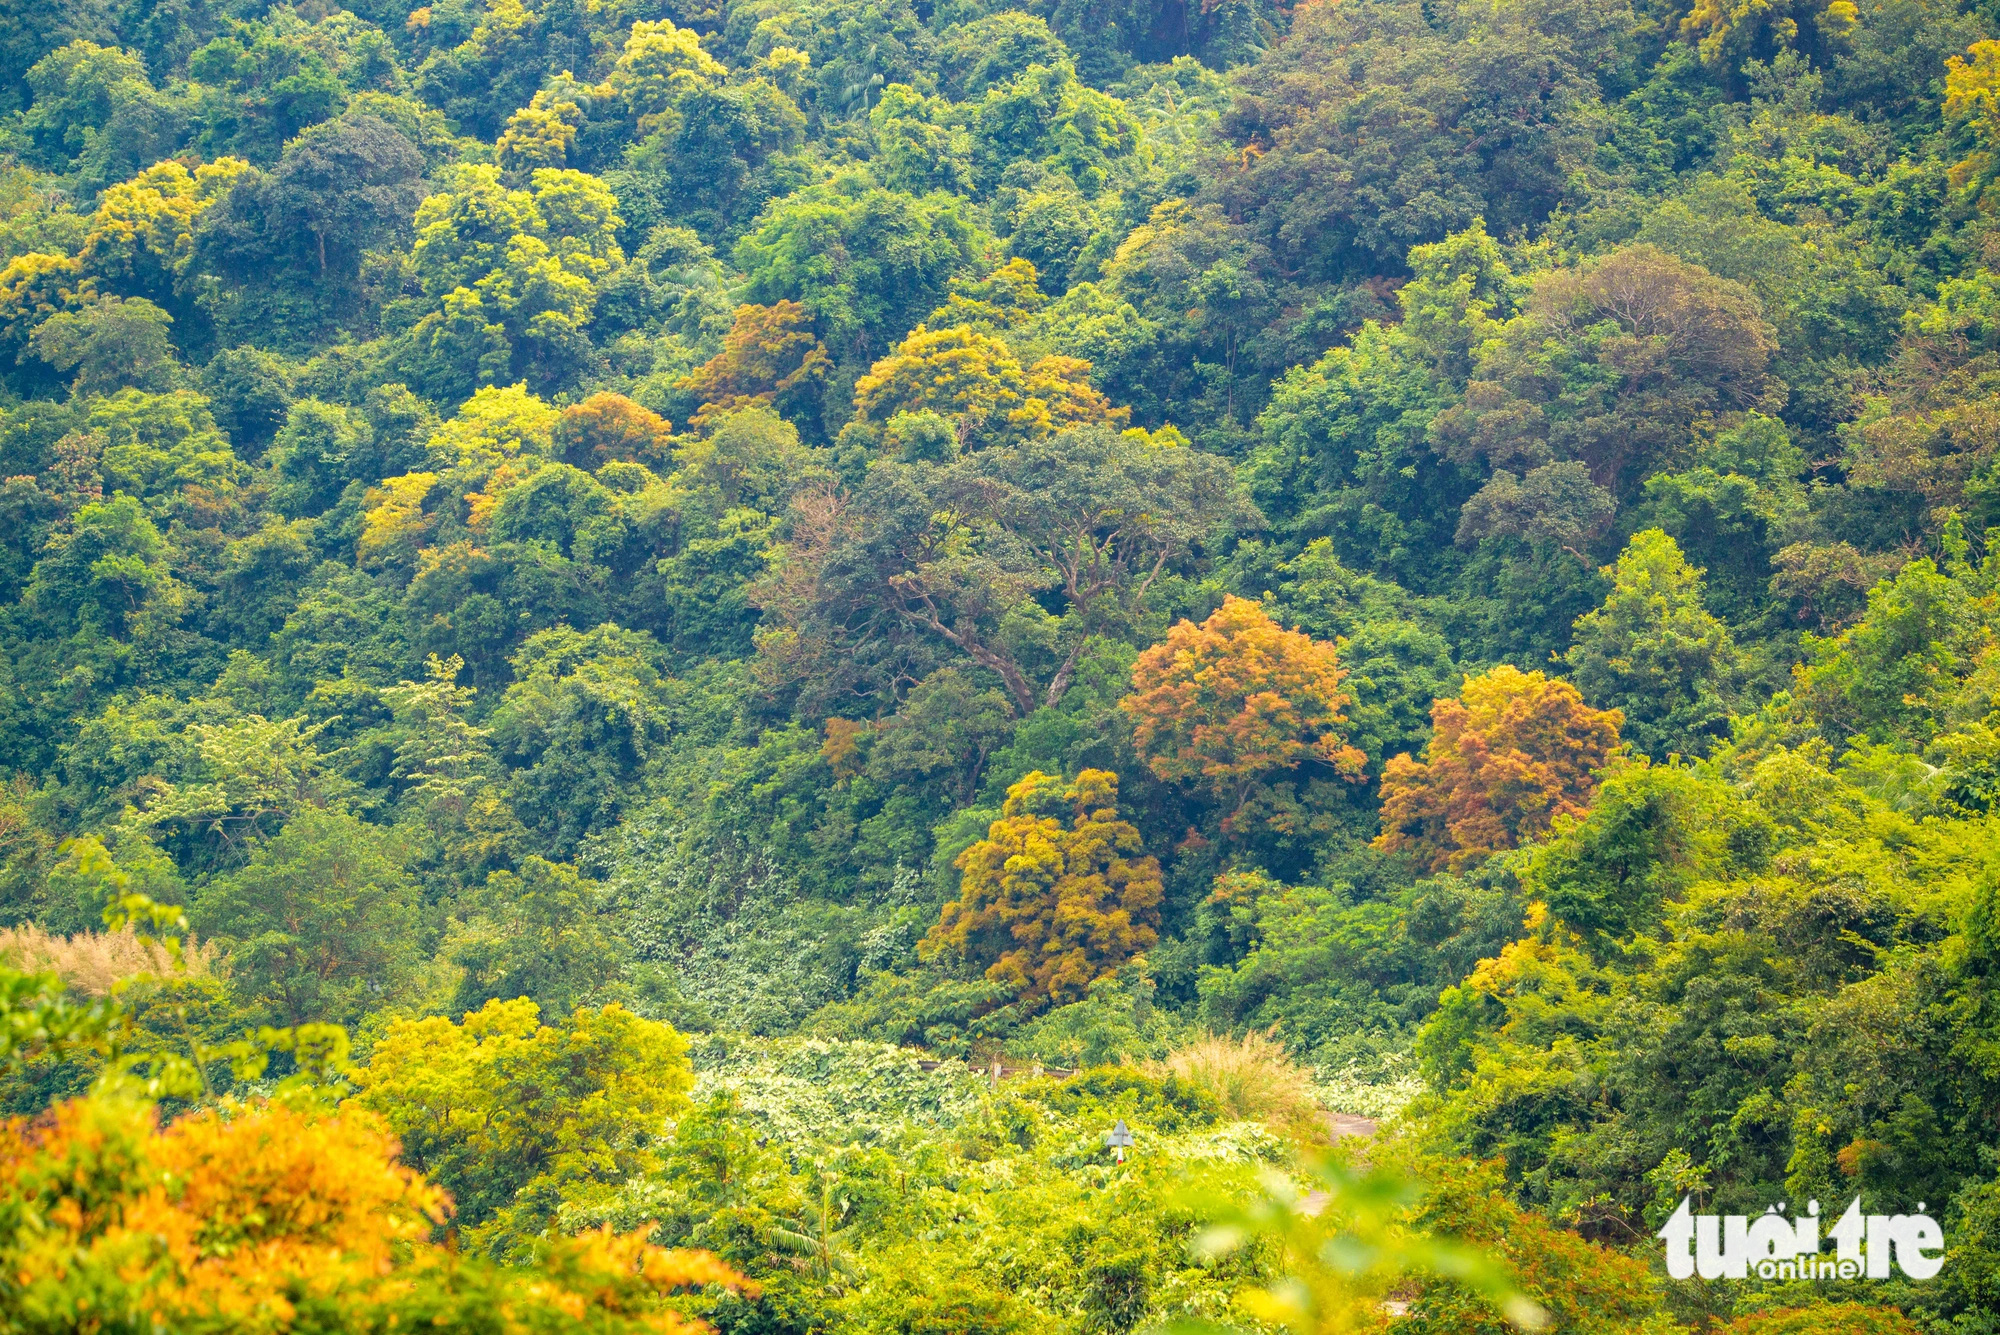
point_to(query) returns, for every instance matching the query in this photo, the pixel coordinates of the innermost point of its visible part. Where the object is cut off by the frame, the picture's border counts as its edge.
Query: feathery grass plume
(1255, 1080)
(93, 963)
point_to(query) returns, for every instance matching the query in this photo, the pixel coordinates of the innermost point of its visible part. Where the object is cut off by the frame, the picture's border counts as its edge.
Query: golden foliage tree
(1972, 109)
(1057, 894)
(395, 527)
(268, 1218)
(1008, 296)
(496, 424)
(1237, 703)
(1725, 32)
(770, 355)
(958, 372)
(541, 134)
(34, 287)
(1061, 396)
(973, 377)
(143, 229)
(605, 427)
(659, 63)
(1512, 752)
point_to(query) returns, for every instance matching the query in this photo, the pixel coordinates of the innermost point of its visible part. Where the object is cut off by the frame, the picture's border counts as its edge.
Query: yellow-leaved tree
(1972, 110)
(1059, 892)
(516, 1117)
(974, 379)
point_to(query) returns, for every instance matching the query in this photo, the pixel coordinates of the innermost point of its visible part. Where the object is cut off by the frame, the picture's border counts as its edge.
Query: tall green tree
(1656, 654)
(321, 920)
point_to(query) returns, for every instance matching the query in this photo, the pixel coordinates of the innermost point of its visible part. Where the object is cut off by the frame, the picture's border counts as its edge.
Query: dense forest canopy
(601, 599)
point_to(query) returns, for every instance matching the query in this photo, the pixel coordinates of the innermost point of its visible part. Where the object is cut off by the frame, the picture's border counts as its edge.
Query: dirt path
(1343, 1125)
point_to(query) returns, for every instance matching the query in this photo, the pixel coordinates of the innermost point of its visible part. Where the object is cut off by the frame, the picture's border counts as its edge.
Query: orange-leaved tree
(1242, 708)
(271, 1218)
(607, 427)
(770, 355)
(1512, 752)
(1057, 894)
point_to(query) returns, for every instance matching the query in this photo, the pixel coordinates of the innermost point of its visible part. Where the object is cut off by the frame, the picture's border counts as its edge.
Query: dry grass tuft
(1255, 1080)
(94, 962)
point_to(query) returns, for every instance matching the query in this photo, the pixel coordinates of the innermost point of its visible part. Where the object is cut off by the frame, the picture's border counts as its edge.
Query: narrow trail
(1343, 1125)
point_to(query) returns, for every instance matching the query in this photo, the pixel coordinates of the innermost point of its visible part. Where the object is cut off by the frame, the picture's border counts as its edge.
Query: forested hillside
(605, 600)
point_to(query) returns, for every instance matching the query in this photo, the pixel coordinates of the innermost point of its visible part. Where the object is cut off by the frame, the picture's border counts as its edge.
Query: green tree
(542, 933)
(943, 734)
(321, 447)
(257, 89)
(1891, 674)
(286, 246)
(711, 150)
(514, 1117)
(103, 589)
(166, 449)
(1343, 452)
(1612, 364)
(1202, 281)
(753, 458)
(867, 263)
(451, 780)
(245, 779)
(111, 344)
(1343, 199)
(578, 727)
(1732, 512)
(1045, 115)
(320, 921)
(249, 391)
(962, 555)
(1650, 833)
(1653, 652)
(94, 110)
(923, 149)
